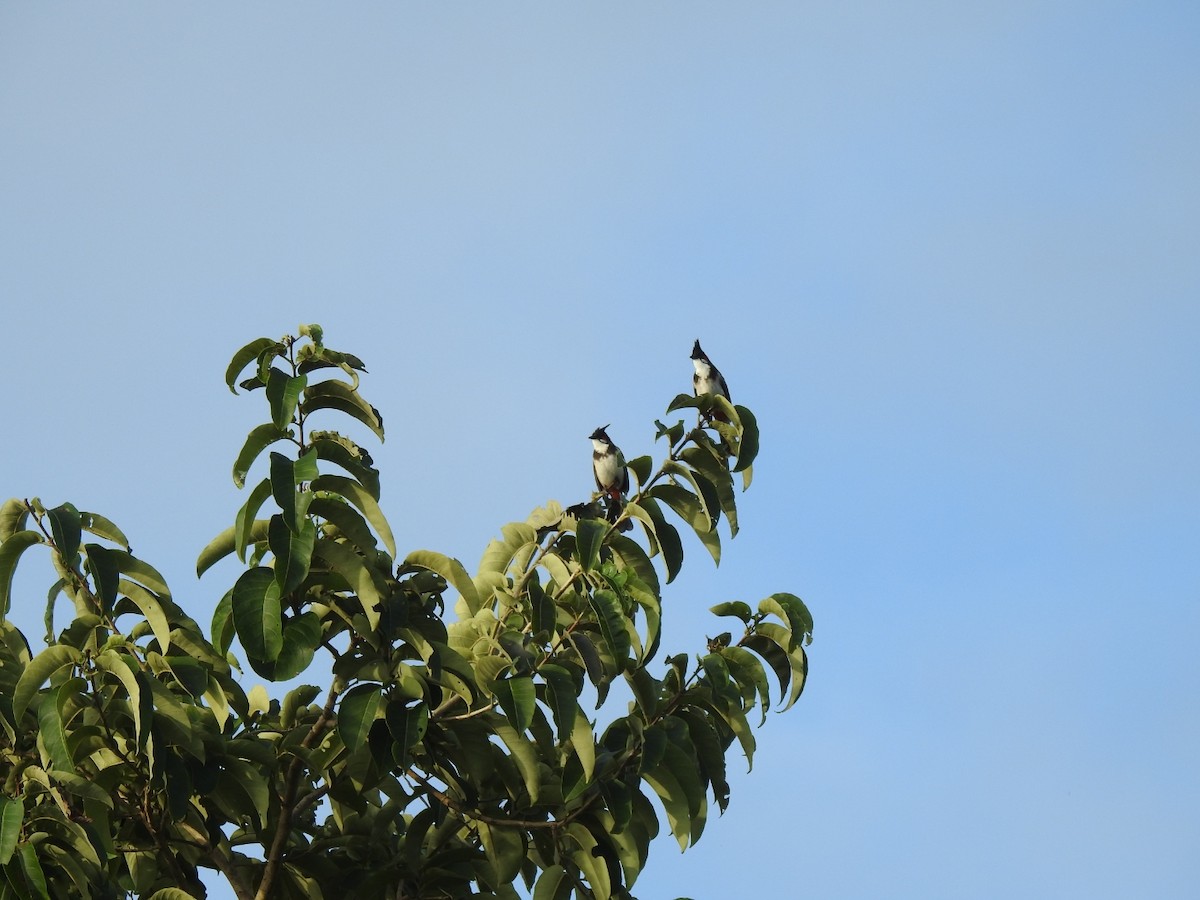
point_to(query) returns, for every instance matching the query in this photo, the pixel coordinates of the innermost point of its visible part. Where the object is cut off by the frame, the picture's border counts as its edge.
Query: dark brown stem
(287, 801)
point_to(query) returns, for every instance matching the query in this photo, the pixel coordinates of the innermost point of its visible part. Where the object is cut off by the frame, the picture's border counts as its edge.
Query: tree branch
(287, 801)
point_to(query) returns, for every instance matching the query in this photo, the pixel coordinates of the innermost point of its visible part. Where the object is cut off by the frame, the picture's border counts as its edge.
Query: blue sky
(946, 252)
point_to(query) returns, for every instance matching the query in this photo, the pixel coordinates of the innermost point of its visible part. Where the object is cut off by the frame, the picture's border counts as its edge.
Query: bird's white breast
(705, 381)
(608, 469)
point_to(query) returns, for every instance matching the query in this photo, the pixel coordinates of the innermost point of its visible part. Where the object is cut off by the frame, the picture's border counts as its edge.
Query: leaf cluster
(453, 753)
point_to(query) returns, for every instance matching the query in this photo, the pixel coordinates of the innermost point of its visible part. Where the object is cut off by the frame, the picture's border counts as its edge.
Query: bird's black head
(600, 435)
(697, 353)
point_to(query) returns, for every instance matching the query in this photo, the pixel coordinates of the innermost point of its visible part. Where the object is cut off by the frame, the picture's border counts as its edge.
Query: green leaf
(704, 491)
(105, 569)
(51, 597)
(450, 569)
(357, 711)
(748, 672)
(293, 552)
(343, 452)
(245, 778)
(296, 700)
(517, 698)
(13, 516)
(711, 540)
(284, 481)
(283, 392)
(583, 742)
(680, 759)
(735, 718)
(111, 662)
(720, 404)
(35, 878)
(561, 697)
(748, 447)
(82, 787)
(350, 566)
(152, 609)
(347, 520)
(170, 893)
(246, 524)
(543, 612)
(519, 539)
(733, 608)
(257, 441)
(589, 538)
(222, 627)
(339, 396)
(775, 655)
(301, 637)
(685, 401)
(798, 660)
(524, 754)
(552, 884)
(792, 610)
(685, 504)
(10, 554)
(594, 869)
(609, 614)
(102, 527)
(407, 723)
(666, 535)
(40, 670)
(646, 691)
(359, 496)
(12, 811)
(596, 670)
(505, 849)
(640, 467)
(257, 615)
(139, 570)
(223, 544)
(51, 727)
(710, 752)
(66, 528)
(675, 802)
(245, 356)
(718, 478)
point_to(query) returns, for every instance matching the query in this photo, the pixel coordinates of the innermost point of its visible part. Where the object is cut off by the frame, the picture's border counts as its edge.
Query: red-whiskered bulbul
(708, 379)
(608, 465)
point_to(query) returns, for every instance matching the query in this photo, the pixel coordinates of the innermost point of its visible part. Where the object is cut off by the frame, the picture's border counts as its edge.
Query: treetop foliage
(469, 752)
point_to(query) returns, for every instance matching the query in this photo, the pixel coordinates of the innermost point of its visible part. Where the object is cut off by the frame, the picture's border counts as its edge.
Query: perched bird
(608, 465)
(708, 379)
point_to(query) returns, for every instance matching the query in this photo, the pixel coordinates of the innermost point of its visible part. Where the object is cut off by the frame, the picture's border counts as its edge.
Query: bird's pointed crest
(601, 435)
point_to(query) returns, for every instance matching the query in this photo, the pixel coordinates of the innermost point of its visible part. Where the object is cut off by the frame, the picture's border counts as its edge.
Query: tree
(447, 755)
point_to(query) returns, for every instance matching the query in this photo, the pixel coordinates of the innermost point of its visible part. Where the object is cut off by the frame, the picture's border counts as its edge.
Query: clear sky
(949, 253)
